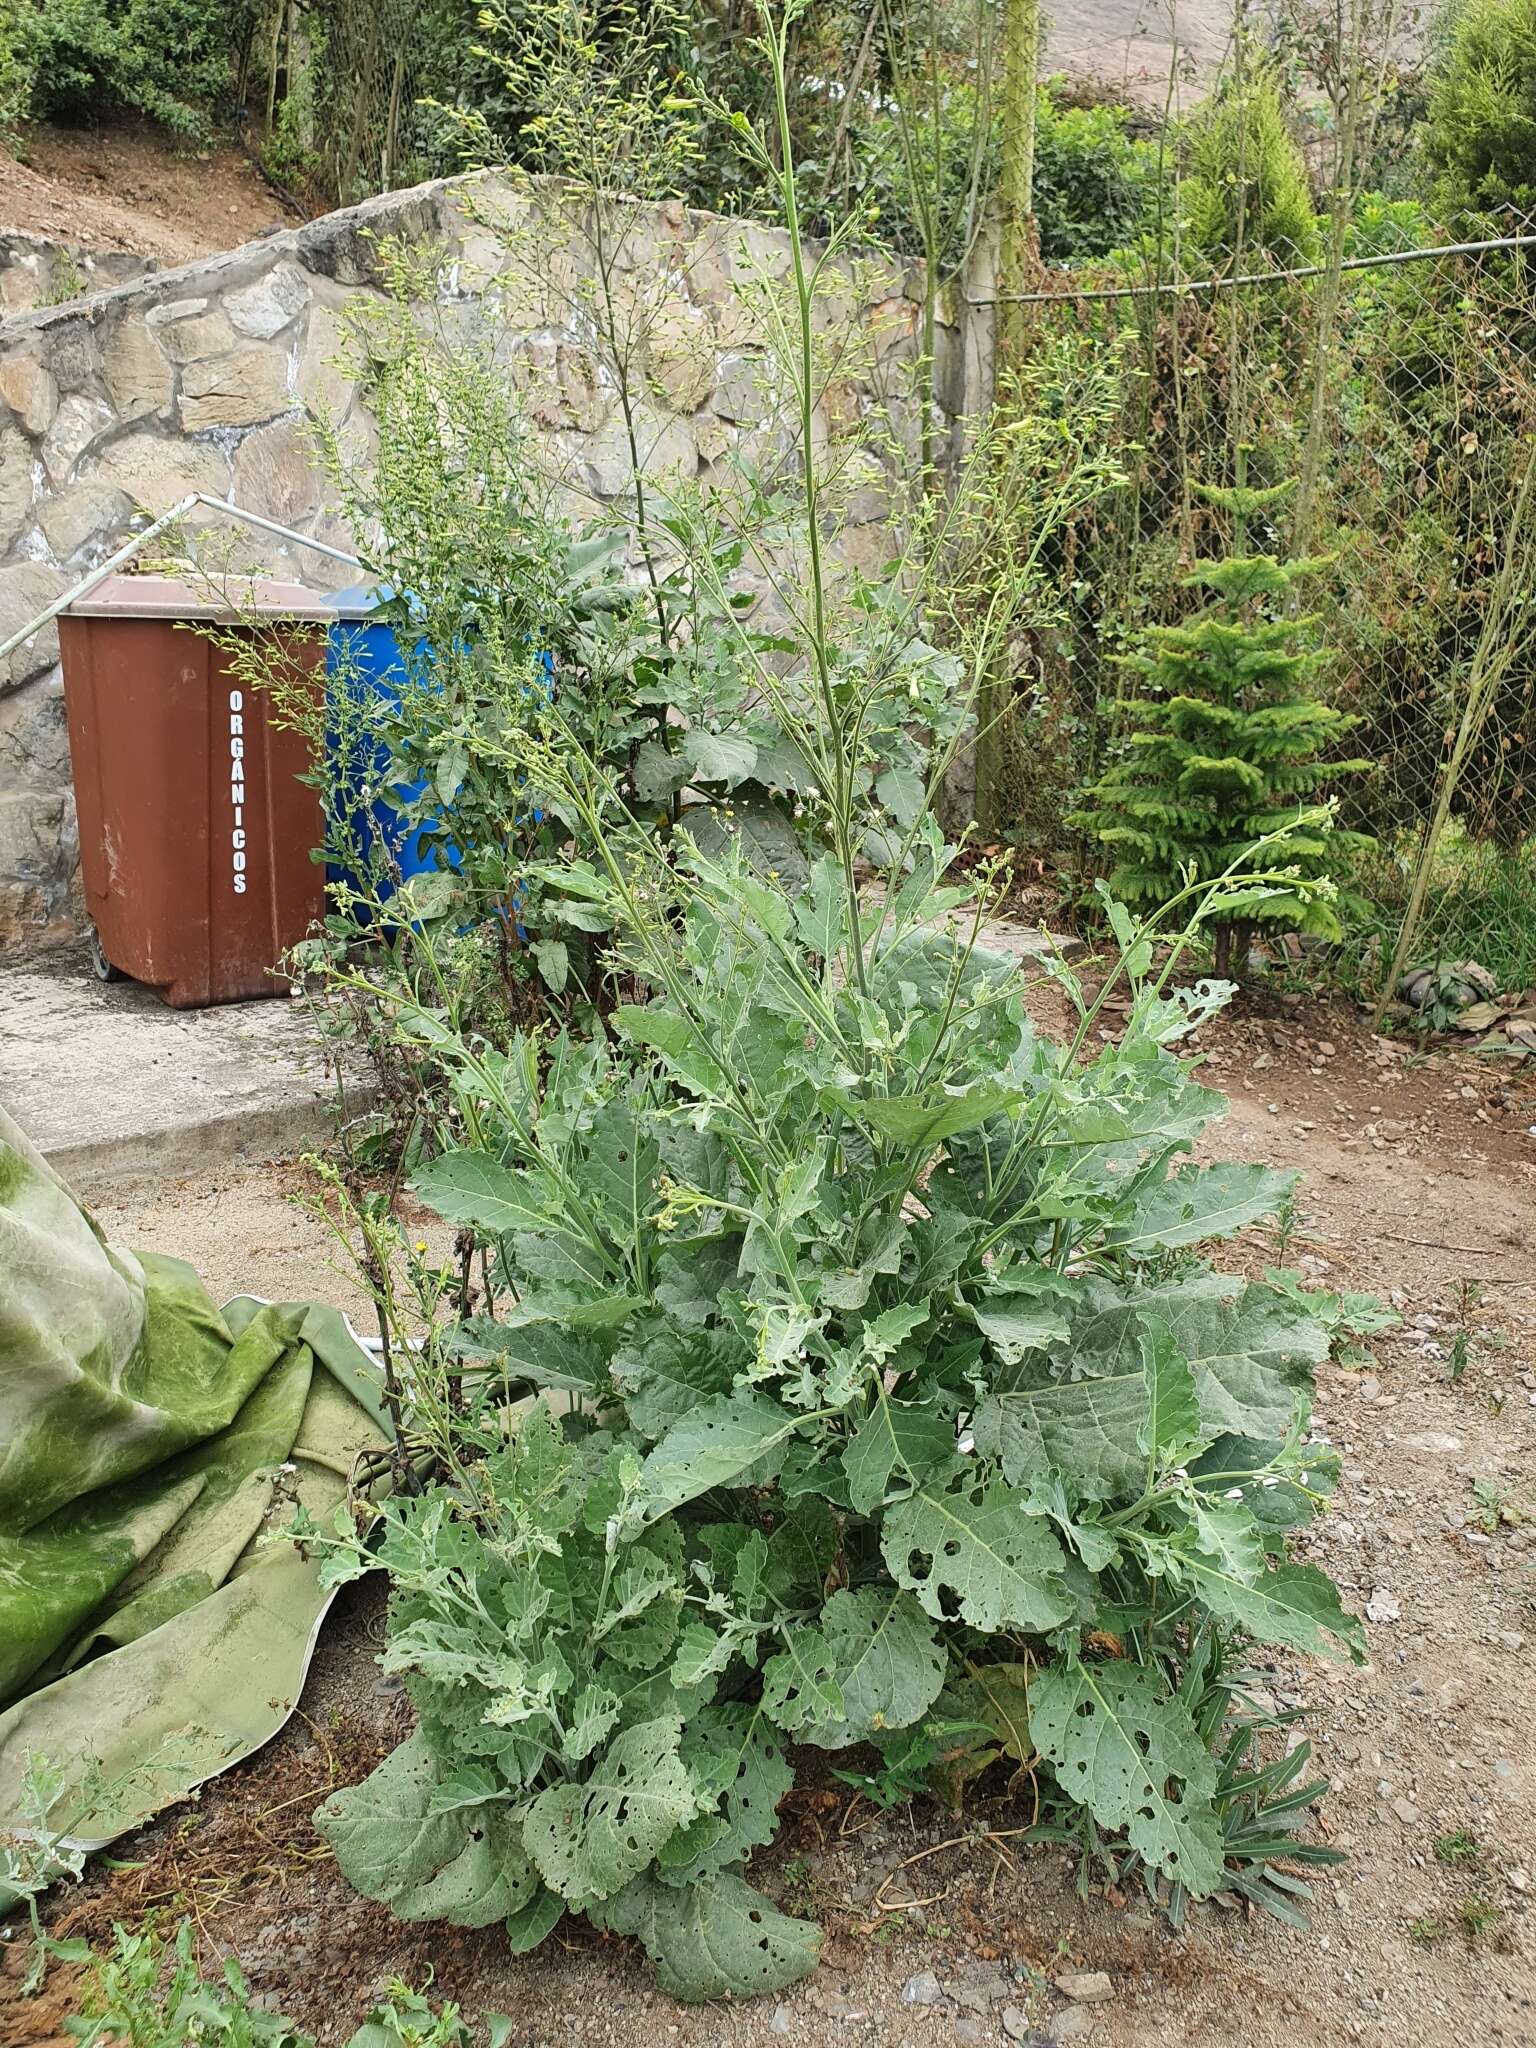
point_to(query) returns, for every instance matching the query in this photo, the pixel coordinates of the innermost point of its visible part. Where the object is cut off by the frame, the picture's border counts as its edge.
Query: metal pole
(1223, 284)
(320, 547)
(88, 582)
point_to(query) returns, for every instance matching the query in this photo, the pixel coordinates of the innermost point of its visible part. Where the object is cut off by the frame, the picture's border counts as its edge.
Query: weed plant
(839, 1367)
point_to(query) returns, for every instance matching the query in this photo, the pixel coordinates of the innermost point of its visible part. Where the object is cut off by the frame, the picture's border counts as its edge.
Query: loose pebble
(923, 1989)
(1088, 1987)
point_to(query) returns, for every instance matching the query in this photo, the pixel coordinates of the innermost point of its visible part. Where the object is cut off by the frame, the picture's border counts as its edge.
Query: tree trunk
(1016, 192)
(1016, 269)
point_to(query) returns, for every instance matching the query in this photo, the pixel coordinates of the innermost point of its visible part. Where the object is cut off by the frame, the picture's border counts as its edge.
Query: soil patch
(132, 188)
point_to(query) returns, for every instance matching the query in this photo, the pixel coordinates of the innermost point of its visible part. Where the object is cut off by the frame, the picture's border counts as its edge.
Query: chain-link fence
(345, 82)
(1400, 397)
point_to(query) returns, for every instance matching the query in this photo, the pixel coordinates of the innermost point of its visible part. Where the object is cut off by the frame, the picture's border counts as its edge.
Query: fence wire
(1401, 399)
(344, 81)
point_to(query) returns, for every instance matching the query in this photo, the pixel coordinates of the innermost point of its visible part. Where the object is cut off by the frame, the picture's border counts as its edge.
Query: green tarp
(149, 1443)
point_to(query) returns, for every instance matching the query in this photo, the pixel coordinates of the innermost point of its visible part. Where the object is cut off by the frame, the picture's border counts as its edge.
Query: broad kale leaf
(1197, 1204)
(1128, 1751)
(715, 1939)
(969, 1549)
(589, 1837)
(713, 1445)
(874, 1662)
(462, 1863)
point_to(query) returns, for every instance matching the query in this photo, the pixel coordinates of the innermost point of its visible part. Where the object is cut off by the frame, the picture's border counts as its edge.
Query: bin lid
(226, 598)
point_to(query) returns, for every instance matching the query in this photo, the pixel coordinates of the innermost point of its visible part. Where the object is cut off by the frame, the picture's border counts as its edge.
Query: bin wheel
(101, 966)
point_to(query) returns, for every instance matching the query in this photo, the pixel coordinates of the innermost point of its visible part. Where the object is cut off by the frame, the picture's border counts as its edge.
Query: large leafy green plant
(888, 1383)
(173, 60)
(1480, 128)
(843, 1370)
(1246, 194)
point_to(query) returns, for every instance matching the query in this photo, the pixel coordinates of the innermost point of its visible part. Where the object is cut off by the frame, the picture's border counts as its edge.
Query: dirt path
(1413, 1186)
(131, 188)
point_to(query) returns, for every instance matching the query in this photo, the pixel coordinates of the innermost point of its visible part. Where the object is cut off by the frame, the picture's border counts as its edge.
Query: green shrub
(1093, 178)
(169, 59)
(17, 72)
(1227, 744)
(1246, 192)
(1091, 175)
(1480, 130)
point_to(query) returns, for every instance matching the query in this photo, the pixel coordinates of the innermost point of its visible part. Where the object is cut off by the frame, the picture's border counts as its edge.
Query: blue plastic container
(365, 656)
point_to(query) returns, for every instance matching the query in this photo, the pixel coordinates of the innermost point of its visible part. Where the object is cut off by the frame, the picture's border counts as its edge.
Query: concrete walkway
(106, 1080)
(111, 1085)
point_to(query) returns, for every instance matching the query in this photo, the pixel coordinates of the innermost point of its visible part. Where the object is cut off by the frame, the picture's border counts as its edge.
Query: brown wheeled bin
(196, 837)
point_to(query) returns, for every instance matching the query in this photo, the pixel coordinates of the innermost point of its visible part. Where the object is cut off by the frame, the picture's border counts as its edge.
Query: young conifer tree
(1228, 744)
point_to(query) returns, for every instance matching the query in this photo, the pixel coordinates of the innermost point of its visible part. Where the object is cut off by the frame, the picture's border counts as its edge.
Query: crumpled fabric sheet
(154, 1627)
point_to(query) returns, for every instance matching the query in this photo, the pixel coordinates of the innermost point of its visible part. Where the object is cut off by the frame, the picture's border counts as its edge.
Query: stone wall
(203, 378)
(35, 271)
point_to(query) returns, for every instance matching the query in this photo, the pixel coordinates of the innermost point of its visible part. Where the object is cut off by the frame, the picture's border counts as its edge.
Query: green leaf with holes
(800, 1686)
(1084, 1429)
(1127, 1750)
(970, 1552)
(461, 1863)
(589, 1837)
(898, 1443)
(540, 1353)
(717, 1939)
(737, 1756)
(885, 1659)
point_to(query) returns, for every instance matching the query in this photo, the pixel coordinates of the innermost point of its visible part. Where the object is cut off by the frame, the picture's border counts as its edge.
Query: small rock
(1087, 1987)
(1075, 2024)
(780, 2022)
(1520, 1878)
(1381, 1606)
(1015, 2023)
(1406, 1812)
(970, 2030)
(923, 1989)
(969, 1995)
(837, 2007)
(981, 1978)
